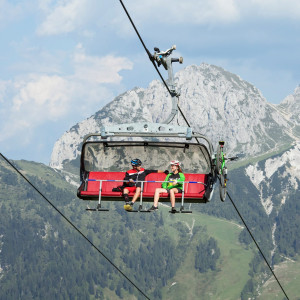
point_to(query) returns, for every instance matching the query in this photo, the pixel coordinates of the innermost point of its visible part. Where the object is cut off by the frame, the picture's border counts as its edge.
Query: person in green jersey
(173, 184)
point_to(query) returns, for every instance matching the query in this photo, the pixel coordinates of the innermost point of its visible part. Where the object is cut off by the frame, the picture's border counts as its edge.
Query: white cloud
(38, 99)
(9, 12)
(45, 97)
(100, 69)
(208, 11)
(62, 17)
(276, 8)
(193, 11)
(3, 88)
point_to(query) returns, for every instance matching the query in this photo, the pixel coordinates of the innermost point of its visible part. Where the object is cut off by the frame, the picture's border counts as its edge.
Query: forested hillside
(205, 254)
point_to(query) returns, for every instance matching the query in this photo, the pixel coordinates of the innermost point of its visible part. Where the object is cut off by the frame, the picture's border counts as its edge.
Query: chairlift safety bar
(153, 181)
(142, 188)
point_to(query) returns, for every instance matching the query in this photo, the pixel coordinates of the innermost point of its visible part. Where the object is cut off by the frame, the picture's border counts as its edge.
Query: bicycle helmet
(136, 162)
(175, 163)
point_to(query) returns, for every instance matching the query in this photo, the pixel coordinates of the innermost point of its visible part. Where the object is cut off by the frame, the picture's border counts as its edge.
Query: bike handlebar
(233, 158)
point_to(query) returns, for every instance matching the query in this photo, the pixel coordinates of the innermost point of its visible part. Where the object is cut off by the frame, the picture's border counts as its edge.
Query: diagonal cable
(257, 246)
(147, 51)
(74, 226)
(152, 60)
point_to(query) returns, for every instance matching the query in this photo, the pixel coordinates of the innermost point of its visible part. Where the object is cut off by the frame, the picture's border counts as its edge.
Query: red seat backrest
(195, 188)
(149, 187)
(107, 186)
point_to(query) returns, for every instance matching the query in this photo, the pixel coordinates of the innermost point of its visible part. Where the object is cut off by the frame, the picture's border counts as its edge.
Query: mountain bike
(221, 169)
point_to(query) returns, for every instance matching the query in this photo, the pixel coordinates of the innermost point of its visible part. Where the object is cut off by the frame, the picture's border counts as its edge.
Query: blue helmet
(136, 162)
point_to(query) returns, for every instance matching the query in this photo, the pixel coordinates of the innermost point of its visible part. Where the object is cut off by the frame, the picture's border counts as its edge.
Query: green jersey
(179, 177)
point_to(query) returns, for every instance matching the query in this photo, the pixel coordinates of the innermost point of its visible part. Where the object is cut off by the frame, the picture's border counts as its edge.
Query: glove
(118, 189)
(166, 172)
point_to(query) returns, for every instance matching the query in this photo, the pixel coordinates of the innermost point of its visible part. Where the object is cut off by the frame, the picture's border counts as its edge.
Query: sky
(63, 60)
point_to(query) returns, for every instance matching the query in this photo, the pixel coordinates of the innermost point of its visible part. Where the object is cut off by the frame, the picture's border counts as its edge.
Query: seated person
(133, 184)
(173, 184)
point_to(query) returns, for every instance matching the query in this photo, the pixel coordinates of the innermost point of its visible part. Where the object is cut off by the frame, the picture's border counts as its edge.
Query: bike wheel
(222, 187)
(219, 159)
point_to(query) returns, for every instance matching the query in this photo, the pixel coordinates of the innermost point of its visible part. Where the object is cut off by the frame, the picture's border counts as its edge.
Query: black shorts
(179, 190)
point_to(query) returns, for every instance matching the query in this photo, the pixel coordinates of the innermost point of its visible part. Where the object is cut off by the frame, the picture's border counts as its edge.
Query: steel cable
(257, 245)
(74, 226)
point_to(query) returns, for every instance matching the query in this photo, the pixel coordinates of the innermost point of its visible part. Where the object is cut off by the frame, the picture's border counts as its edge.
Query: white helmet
(175, 163)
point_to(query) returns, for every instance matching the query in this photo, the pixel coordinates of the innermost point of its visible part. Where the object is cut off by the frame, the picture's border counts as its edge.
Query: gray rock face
(217, 103)
(276, 177)
(277, 180)
(290, 108)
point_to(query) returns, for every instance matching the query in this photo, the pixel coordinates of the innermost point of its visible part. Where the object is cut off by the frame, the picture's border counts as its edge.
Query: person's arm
(181, 177)
(180, 180)
(165, 183)
(126, 178)
(150, 171)
(156, 171)
(161, 171)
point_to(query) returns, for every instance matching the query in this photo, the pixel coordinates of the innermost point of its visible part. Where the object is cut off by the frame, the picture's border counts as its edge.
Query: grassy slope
(29, 168)
(288, 274)
(190, 283)
(232, 273)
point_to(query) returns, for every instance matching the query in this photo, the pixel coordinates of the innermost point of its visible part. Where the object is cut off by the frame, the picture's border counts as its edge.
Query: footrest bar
(185, 211)
(143, 210)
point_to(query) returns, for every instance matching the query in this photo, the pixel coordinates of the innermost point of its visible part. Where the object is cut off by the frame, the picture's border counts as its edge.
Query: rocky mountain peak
(290, 107)
(217, 103)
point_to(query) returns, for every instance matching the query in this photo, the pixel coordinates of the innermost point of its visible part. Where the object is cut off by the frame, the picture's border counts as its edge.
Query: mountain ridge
(219, 104)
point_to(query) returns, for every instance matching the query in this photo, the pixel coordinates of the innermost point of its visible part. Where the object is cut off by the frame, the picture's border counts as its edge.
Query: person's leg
(136, 195)
(132, 189)
(172, 196)
(158, 191)
(125, 195)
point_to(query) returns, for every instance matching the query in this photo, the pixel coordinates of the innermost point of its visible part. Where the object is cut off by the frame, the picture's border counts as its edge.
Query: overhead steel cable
(257, 245)
(74, 226)
(146, 49)
(156, 68)
(152, 60)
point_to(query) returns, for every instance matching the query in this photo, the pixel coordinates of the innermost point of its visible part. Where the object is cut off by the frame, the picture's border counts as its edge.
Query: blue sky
(61, 61)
